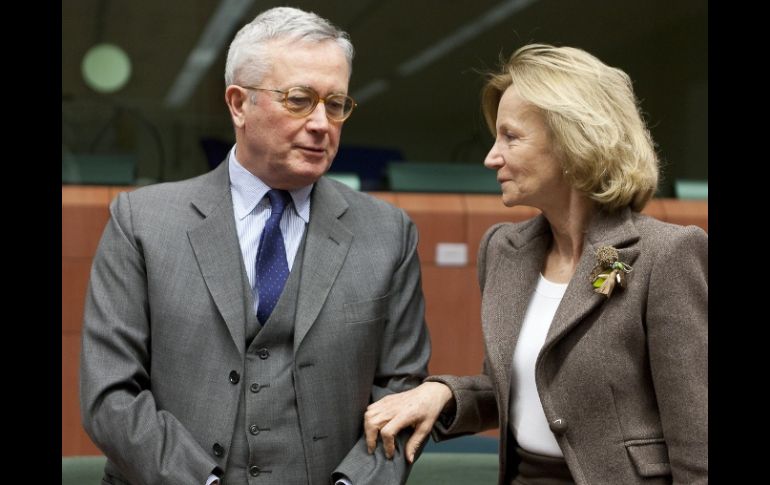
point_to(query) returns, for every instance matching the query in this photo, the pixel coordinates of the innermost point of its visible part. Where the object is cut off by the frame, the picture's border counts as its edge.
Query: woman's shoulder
(659, 233)
(508, 229)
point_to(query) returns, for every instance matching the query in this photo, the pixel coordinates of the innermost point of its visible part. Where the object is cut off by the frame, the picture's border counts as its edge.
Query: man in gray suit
(238, 324)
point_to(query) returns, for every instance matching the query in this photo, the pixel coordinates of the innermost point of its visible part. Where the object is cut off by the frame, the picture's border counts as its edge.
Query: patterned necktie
(272, 268)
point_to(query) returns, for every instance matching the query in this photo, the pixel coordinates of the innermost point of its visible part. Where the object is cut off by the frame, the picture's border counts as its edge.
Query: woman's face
(528, 166)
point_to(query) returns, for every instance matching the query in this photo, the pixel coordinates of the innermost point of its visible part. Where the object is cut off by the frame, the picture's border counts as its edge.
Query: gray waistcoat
(267, 444)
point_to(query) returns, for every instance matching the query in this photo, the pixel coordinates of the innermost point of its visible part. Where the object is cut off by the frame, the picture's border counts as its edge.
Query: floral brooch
(608, 271)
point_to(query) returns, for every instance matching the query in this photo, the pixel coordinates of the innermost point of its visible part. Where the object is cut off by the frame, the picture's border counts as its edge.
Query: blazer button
(558, 426)
(254, 387)
(234, 377)
(254, 471)
(218, 449)
(254, 429)
(263, 353)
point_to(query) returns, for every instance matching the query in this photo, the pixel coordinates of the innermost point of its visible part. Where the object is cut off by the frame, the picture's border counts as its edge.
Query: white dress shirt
(252, 209)
(528, 422)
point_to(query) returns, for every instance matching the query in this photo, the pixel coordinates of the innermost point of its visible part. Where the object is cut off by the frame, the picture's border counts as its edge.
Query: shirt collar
(248, 191)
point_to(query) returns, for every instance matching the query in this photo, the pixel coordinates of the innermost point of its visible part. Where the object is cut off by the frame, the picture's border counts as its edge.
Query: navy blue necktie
(272, 268)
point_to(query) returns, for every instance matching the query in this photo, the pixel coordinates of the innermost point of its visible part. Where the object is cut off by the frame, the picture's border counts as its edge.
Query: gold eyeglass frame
(314, 96)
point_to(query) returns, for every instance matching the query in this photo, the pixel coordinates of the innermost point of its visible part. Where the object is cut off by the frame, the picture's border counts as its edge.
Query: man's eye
(299, 100)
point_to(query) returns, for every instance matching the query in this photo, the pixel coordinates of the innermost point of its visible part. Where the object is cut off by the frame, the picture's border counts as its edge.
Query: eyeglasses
(301, 101)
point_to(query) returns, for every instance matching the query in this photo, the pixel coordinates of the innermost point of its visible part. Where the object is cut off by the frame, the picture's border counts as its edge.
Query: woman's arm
(677, 334)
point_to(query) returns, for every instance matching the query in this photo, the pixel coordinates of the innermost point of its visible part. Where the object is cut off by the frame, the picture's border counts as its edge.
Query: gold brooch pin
(608, 271)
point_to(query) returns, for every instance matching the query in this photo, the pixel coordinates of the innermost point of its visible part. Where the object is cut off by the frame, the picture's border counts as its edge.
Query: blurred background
(143, 83)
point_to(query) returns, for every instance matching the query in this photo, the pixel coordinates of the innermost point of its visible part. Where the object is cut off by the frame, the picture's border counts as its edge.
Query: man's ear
(236, 97)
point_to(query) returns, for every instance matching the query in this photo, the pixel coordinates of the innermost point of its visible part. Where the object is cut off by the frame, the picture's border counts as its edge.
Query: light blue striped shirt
(252, 209)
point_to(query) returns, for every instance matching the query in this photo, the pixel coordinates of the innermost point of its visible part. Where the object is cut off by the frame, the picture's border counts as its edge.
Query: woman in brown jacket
(594, 316)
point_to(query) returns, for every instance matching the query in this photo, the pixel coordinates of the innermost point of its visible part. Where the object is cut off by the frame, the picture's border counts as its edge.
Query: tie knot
(278, 201)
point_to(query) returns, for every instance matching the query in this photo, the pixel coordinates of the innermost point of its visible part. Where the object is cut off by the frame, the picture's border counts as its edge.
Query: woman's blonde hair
(594, 118)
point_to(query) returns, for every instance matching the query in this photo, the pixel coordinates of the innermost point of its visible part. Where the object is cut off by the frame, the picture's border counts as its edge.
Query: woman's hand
(418, 408)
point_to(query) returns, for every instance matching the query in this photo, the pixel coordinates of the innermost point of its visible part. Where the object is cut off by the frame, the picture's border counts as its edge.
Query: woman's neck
(569, 225)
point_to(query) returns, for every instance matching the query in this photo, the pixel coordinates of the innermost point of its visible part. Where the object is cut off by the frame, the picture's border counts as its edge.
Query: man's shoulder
(168, 192)
(170, 202)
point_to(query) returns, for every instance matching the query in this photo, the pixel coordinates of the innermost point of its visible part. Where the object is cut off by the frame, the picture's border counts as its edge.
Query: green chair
(350, 179)
(454, 468)
(82, 470)
(441, 177)
(691, 189)
(463, 460)
(98, 169)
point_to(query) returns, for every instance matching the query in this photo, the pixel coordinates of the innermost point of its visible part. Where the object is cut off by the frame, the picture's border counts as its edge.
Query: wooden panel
(74, 282)
(686, 212)
(84, 214)
(452, 314)
(116, 189)
(656, 209)
(438, 217)
(74, 440)
(84, 195)
(483, 211)
(475, 343)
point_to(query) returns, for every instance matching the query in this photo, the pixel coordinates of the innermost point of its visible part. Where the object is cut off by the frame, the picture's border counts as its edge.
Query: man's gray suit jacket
(164, 328)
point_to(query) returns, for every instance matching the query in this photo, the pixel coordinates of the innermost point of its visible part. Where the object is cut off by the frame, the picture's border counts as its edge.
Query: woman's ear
(236, 98)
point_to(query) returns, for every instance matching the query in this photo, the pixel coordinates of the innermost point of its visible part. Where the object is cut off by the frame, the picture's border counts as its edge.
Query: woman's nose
(493, 160)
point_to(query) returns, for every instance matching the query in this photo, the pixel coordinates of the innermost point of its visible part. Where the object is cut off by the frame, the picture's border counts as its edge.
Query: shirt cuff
(342, 481)
(212, 480)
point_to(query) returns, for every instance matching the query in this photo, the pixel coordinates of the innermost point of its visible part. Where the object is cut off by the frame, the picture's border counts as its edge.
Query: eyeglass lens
(302, 101)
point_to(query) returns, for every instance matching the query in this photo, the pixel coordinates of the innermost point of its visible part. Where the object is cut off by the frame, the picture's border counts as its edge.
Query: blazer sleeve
(475, 405)
(118, 409)
(677, 326)
(402, 365)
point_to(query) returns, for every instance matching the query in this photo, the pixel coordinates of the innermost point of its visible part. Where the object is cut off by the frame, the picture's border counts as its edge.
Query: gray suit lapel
(216, 247)
(503, 309)
(326, 247)
(580, 299)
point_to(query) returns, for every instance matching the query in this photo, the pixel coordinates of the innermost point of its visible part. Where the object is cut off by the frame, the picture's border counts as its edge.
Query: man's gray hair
(247, 60)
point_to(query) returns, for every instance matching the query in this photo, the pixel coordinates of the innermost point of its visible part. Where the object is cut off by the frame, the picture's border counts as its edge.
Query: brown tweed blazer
(623, 381)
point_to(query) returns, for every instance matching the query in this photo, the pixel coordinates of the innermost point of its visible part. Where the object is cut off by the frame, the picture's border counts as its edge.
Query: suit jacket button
(254, 429)
(263, 353)
(254, 387)
(234, 377)
(218, 449)
(254, 471)
(558, 426)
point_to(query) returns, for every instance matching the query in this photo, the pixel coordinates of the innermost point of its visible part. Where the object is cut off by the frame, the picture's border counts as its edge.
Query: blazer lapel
(216, 247)
(327, 245)
(580, 299)
(505, 304)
